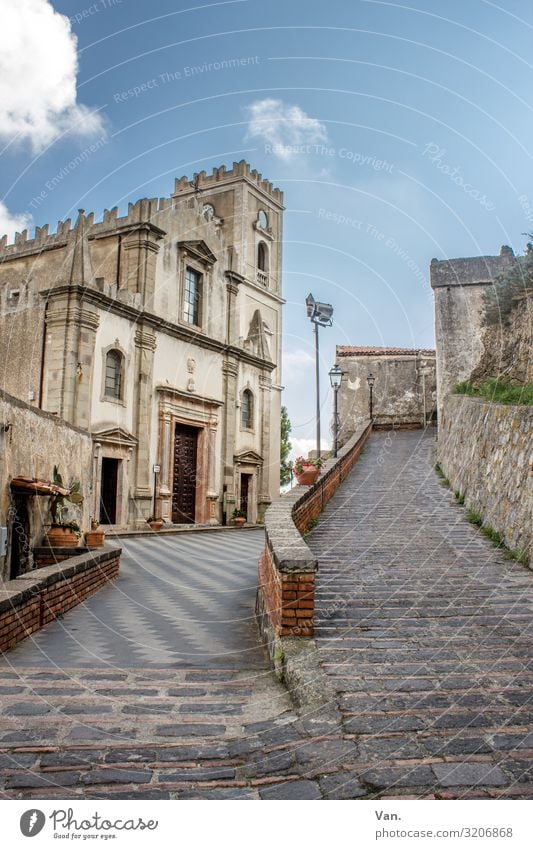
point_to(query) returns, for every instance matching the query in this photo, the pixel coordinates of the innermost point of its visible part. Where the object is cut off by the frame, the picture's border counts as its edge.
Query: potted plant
(155, 522)
(307, 471)
(94, 538)
(64, 532)
(238, 517)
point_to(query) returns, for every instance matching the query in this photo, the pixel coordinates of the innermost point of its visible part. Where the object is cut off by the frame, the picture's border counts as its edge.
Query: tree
(285, 464)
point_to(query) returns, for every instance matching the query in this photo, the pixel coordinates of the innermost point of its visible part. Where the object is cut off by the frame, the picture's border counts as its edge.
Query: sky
(398, 132)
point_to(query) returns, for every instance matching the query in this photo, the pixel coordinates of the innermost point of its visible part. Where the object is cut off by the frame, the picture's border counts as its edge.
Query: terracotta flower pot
(239, 521)
(60, 537)
(156, 526)
(94, 539)
(307, 476)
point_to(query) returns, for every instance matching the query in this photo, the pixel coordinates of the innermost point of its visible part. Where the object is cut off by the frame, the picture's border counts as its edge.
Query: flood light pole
(321, 315)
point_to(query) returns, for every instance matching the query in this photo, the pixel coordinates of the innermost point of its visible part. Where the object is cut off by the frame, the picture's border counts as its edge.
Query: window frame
(190, 269)
(104, 395)
(249, 425)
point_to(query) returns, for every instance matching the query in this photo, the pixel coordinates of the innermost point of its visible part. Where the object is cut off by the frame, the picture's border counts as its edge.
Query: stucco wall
(33, 444)
(397, 394)
(486, 451)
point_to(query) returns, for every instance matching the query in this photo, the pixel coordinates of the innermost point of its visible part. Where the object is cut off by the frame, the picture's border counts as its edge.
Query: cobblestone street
(156, 687)
(425, 631)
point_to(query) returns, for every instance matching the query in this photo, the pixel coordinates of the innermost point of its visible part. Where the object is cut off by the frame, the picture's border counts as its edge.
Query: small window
(262, 257)
(113, 374)
(191, 298)
(247, 409)
(262, 219)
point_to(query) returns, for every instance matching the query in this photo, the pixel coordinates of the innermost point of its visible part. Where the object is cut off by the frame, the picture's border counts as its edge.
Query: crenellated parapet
(205, 182)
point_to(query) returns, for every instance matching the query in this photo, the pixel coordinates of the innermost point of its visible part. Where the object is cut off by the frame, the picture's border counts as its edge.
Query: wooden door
(184, 476)
(108, 491)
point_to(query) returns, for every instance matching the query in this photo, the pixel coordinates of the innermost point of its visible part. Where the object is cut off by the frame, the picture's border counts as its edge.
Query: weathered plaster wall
(459, 286)
(486, 451)
(33, 444)
(398, 389)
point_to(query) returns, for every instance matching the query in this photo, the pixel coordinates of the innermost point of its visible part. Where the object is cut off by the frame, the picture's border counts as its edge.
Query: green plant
(498, 391)
(238, 514)
(58, 506)
(474, 517)
(154, 519)
(312, 523)
(300, 463)
(459, 497)
(493, 535)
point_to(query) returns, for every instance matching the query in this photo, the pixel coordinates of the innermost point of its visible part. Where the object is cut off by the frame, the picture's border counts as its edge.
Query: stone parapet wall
(486, 452)
(37, 598)
(287, 567)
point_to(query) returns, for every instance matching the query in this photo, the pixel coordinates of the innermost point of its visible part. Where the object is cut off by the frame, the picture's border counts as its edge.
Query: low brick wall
(486, 452)
(285, 604)
(39, 597)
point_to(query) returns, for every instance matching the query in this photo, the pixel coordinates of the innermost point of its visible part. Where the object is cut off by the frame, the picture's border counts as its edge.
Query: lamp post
(335, 378)
(157, 469)
(370, 380)
(321, 315)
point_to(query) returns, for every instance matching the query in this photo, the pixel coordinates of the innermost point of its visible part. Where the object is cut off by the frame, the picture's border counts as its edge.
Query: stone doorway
(109, 491)
(184, 475)
(245, 494)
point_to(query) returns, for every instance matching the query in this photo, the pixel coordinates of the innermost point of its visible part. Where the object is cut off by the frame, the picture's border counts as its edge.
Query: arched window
(262, 257)
(262, 219)
(113, 374)
(247, 409)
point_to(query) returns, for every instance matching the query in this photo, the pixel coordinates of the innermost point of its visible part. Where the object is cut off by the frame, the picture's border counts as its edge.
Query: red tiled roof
(371, 351)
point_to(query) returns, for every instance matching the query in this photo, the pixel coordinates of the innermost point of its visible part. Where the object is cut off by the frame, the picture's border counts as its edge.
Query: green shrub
(498, 391)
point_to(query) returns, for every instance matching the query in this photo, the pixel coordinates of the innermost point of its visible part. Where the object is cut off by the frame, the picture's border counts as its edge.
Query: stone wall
(507, 352)
(486, 452)
(287, 567)
(459, 287)
(404, 380)
(33, 443)
(35, 599)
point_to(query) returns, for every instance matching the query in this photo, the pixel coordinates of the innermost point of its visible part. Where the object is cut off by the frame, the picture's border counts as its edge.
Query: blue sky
(398, 132)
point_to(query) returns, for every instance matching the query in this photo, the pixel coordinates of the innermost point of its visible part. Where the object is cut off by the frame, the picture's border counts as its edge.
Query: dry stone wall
(486, 452)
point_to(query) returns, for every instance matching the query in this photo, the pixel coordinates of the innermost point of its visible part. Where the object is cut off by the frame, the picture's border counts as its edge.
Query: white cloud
(286, 130)
(296, 362)
(301, 446)
(9, 224)
(38, 68)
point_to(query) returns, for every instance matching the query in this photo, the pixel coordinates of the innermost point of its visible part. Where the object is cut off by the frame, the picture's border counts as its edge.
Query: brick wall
(287, 567)
(39, 597)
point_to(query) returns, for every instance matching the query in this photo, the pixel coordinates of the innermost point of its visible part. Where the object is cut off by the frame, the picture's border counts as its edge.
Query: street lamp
(335, 378)
(370, 380)
(319, 314)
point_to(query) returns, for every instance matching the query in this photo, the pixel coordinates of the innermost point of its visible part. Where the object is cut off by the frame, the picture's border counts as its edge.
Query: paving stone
(23, 760)
(456, 745)
(210, 708)
(198, 774)
(42, 779)
(512, 741)
(91, 709)
(326, 753)
(6, 690)
(28, 736)
(265, 764)
(187, 691)
(291, 790)
(190, 730)
(205, 751)
(143, 710)
(84, 758)
(375, 724)
(391, 777)
(118, 756)
(342, 785)
(114, 776)
(216, 793)
(469, 774)
(27, 709)
(90, 732)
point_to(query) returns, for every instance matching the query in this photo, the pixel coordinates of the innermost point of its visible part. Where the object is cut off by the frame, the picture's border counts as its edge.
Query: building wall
(459, 286)
(119, 283)
(33, 444)
(485, 450)
(398, 392)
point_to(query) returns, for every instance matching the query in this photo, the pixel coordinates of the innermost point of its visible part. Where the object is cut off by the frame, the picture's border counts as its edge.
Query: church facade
(158, 332)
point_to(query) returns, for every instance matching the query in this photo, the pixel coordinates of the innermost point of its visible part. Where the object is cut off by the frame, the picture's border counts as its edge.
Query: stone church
(159, 333)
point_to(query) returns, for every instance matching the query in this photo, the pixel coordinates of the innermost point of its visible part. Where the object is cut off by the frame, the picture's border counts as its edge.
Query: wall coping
(13, 593)
(289, 550)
